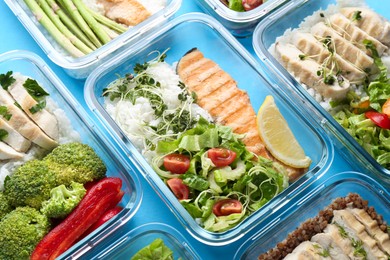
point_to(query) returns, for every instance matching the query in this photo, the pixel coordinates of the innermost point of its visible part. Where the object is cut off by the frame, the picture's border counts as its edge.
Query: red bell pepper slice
(100, 197)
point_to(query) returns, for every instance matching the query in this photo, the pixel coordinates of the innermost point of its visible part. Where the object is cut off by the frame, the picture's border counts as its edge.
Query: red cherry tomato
(178, 188)
(176, 163)
(221, 157)
(381, 120)
(226, 207)
(251, 4)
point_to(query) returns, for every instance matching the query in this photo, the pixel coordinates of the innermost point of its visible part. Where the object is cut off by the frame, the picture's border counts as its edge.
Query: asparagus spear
(111, 33)
(70, 24)
(93, 24)
(74, 13)
(57, 22)
(52, 29)
(108, 22)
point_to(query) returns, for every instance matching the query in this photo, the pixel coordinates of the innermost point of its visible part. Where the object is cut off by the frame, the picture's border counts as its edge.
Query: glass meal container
(290, 17)
(240, 24)
(31, 65)
(310, 202)
(81, 67)
(207, 35)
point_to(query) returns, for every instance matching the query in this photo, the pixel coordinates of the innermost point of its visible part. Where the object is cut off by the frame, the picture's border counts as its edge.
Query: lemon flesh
(278, 137)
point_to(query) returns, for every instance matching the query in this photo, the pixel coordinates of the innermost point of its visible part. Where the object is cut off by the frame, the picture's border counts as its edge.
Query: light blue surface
(14, 36)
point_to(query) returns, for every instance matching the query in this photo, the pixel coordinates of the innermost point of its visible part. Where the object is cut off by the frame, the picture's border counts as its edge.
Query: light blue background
(14, 36)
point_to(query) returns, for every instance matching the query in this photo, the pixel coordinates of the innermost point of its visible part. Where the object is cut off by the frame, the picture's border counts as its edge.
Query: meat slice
(14, 138)
(328, 243)
(7, 152)
(128, 12)
(23, 124)
(357, 232)
(343, 47)
(307, 251)
(372, 228)
(354, 34)
(370, 22)
(340, 240)
(316, 50)
(46, 121)
(218, 93)
(307, 71)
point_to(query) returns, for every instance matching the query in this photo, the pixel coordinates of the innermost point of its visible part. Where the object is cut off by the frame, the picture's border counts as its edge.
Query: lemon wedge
(278, 137)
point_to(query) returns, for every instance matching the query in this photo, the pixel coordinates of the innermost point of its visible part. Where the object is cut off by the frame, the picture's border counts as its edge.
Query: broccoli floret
(75, 162)
(5, 208)
(63, 200)
(20, 232)
(30, 184)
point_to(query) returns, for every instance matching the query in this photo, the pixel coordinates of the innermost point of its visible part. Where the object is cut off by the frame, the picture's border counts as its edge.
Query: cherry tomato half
(176, 163)
(226, 207)
(381, 120)
(251, 4)
(178, 188)
(221, 157)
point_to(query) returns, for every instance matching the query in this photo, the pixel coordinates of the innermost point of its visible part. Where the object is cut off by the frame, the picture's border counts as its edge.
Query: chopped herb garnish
(357, 16)
(342, 231)
(329, 80)
(38, 107)
(322, 15)
(324, 253)
(358, 248)
(5, 113)
(6, 80)
(33, 88)
(302, 56)
(3, 134)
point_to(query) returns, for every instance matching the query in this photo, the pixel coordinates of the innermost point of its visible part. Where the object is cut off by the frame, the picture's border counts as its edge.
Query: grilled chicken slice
(14, 138)
(128, 12)
(357, 232)
(7, 152)
(327, 242)
(316, 50)
(306, 69)
(354, 34)
(372, 228)
(340, 240)
(370, 22)
(344, 48)
(46, 121)
(23, 124)
(218, 93)
(307, 251)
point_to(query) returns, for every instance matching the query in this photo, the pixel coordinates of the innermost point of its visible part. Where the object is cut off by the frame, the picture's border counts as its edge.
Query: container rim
(65, 61)
(206, 237)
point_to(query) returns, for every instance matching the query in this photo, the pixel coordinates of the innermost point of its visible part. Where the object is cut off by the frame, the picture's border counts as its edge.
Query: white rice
(134, 118)
(305, 26)
(66, 134)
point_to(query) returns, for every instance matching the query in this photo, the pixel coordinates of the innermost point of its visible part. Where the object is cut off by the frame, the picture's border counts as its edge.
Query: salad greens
(351, 113)
(156, 250)
(252, 181)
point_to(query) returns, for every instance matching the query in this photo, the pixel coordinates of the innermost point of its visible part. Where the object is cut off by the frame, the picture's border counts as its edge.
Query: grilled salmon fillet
(217, 92)
(128, 12)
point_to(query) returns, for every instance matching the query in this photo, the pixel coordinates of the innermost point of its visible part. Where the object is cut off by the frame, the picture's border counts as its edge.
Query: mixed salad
(242, 5)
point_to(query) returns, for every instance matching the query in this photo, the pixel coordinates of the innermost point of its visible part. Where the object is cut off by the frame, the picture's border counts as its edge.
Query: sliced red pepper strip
(99, 198)
(109, 214)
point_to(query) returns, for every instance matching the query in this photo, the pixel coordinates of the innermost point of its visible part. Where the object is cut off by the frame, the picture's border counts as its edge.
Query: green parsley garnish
(357, 16)
(33, 88)
(3, 134)
(6, 80)
(38, 107)
(5, 113)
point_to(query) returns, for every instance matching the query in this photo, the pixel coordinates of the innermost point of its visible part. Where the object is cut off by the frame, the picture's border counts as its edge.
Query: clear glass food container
(209, 36)
(126, 246)
(274, 26)
(80, 68)
(240, 24)
(31, 65)
(308, 203)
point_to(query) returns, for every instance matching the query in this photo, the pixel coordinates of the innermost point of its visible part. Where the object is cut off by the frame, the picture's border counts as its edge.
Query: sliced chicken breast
(357, 232)
(370, 22)
(344, 48)
(342, 242)
(14, 138)
(354, 34)
(327, 242)
(218, 93)
(7, 152)
(23, 124)
(307, 69)
(372, 228)
(307, 251)
(311, 47)
(128, 12)
(46, 121)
